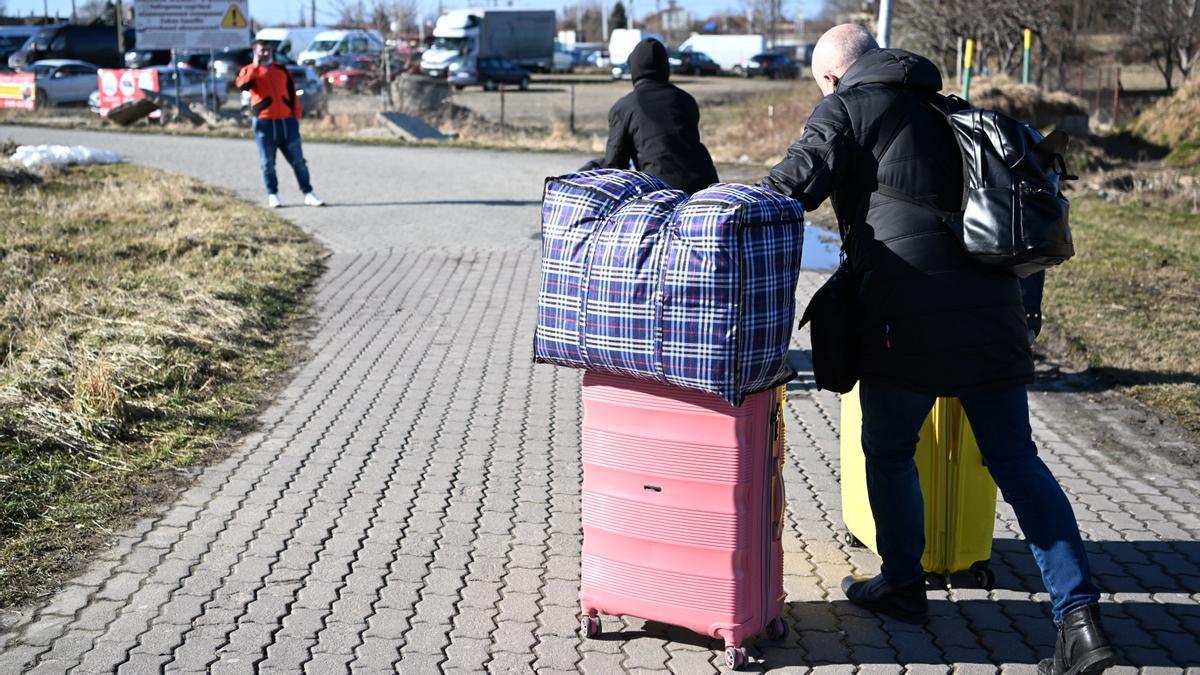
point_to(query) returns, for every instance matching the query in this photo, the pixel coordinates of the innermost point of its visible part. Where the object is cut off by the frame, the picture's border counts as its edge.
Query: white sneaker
(273, 201)
(312, 199)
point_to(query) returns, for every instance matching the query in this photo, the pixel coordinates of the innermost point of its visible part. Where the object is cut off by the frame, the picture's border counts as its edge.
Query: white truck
(289, 41)
(727, 50)
(622, 41)
(460, 36)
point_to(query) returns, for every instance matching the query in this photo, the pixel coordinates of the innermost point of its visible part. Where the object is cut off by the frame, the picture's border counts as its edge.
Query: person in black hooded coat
(933, 323)
(657, 126)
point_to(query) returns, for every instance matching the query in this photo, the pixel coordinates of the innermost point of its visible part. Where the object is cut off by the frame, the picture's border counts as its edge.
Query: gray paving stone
(410, 501)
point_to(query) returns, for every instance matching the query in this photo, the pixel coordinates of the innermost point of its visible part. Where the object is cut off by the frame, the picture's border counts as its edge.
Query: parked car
(693, 63)
(145, 58)
(62, 81)
(408, 60)
(287, 40)
(93, 44)
(597, 58)
(491, 72)
(227, 63)
(621, 72)
(13, 38)
(360, 76)
(195, 86)
(334, 48)
(774, 66)
(563, 60)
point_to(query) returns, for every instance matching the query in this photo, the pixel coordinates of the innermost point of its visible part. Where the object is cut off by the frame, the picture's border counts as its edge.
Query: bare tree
(934, 27)
(377, 14)
(88, 11)
(1170, 30)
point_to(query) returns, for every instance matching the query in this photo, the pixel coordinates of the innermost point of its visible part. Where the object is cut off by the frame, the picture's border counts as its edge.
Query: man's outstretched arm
(816, 164)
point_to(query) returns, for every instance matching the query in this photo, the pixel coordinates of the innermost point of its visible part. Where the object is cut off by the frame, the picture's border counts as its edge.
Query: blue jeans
(892, 420)
(284, 136)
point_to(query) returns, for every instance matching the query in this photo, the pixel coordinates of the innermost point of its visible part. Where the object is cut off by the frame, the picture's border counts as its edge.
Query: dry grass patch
(142, 315)
(1174, 119)
(1128, 302)
(759, 128)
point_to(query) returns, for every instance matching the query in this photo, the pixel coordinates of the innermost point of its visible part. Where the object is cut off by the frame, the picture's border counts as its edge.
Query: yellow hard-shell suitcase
(960, 495)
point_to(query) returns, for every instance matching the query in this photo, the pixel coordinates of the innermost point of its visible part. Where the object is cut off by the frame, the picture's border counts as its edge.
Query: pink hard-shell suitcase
(682, 509)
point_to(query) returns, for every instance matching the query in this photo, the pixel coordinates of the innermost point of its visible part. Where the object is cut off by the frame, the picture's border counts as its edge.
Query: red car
(359, 76)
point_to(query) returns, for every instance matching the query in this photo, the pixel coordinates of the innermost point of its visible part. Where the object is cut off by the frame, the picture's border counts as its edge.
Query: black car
(145, 58)
(693, 63)
(774, 66)
(94, 44)
(13, 38)
(491, 73)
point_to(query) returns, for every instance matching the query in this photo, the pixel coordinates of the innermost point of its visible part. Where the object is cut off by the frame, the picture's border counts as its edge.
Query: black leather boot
(903, 603)
(1081, 648)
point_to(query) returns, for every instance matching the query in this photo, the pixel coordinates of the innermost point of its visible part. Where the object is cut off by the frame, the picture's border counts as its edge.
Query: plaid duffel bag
(642, 280)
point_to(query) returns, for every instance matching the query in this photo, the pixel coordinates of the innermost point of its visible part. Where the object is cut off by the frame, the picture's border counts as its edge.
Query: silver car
(63, 81)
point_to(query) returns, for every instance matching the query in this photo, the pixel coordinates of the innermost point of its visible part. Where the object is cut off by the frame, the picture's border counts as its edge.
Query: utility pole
(312, 14)
(120, 21)
(885, 23)
(604, 21)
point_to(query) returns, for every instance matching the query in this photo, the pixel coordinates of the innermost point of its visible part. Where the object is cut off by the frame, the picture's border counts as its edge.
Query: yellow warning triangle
(233, 18)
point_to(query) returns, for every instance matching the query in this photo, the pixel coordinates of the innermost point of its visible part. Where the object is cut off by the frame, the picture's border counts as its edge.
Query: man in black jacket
(657, 125)
(934, 323)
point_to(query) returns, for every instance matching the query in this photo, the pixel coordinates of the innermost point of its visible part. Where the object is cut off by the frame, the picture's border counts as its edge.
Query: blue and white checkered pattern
(642, 280)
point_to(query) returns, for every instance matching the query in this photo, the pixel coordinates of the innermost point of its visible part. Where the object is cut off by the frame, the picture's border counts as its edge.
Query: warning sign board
(233, 18)
(191, 24)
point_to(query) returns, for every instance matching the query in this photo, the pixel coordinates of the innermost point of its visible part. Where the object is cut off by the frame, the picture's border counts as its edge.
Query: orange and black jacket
(272, 91)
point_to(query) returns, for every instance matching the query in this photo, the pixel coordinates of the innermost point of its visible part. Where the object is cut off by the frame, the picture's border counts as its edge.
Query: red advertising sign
(18, 90)
(121, 86)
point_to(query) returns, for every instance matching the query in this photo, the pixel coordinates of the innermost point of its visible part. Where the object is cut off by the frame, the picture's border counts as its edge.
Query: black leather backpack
(1014, 215)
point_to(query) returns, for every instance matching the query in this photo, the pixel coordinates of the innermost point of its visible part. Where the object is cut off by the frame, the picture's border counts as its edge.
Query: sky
(270, 12)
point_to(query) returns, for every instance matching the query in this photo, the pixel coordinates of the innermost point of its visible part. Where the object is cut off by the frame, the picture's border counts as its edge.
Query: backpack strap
(900, 195)
(952, 104)
(890, 129)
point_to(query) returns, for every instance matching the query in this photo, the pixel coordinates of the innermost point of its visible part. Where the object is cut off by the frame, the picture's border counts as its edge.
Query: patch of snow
(37, 156)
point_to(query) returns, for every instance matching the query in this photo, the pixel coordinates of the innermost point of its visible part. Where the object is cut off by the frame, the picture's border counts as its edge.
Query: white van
(623, 40)
(330, 47)
(289, 41)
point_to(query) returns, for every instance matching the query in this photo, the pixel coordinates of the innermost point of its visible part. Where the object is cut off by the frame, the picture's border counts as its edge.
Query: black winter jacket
(933, 320)
(657, 125)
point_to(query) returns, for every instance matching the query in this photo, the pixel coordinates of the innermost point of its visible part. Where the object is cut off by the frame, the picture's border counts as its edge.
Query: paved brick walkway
(411, 503)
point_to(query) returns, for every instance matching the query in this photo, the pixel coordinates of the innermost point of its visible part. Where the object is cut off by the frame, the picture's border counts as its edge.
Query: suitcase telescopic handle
(779, 452)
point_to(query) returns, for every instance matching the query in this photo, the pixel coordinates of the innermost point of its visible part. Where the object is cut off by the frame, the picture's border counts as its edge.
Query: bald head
(836, 51)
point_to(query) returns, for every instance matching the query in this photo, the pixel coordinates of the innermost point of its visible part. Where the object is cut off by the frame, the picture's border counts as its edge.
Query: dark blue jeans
(892, 420)
(284, 136)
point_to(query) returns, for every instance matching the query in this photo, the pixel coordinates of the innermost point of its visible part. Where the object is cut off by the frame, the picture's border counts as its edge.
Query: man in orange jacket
(276, 109)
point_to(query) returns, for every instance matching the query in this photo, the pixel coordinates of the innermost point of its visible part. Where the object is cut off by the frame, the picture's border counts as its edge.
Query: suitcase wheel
(735, 657)
(985, 578)
(937, 581)
(852, 541)
(777, 629)
(589, 626)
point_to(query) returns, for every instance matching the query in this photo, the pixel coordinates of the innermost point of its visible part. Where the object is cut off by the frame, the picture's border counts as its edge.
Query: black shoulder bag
(834, 312)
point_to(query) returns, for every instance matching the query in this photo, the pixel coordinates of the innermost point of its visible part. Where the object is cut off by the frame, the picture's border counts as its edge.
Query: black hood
(649, 59)
(893, 67)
